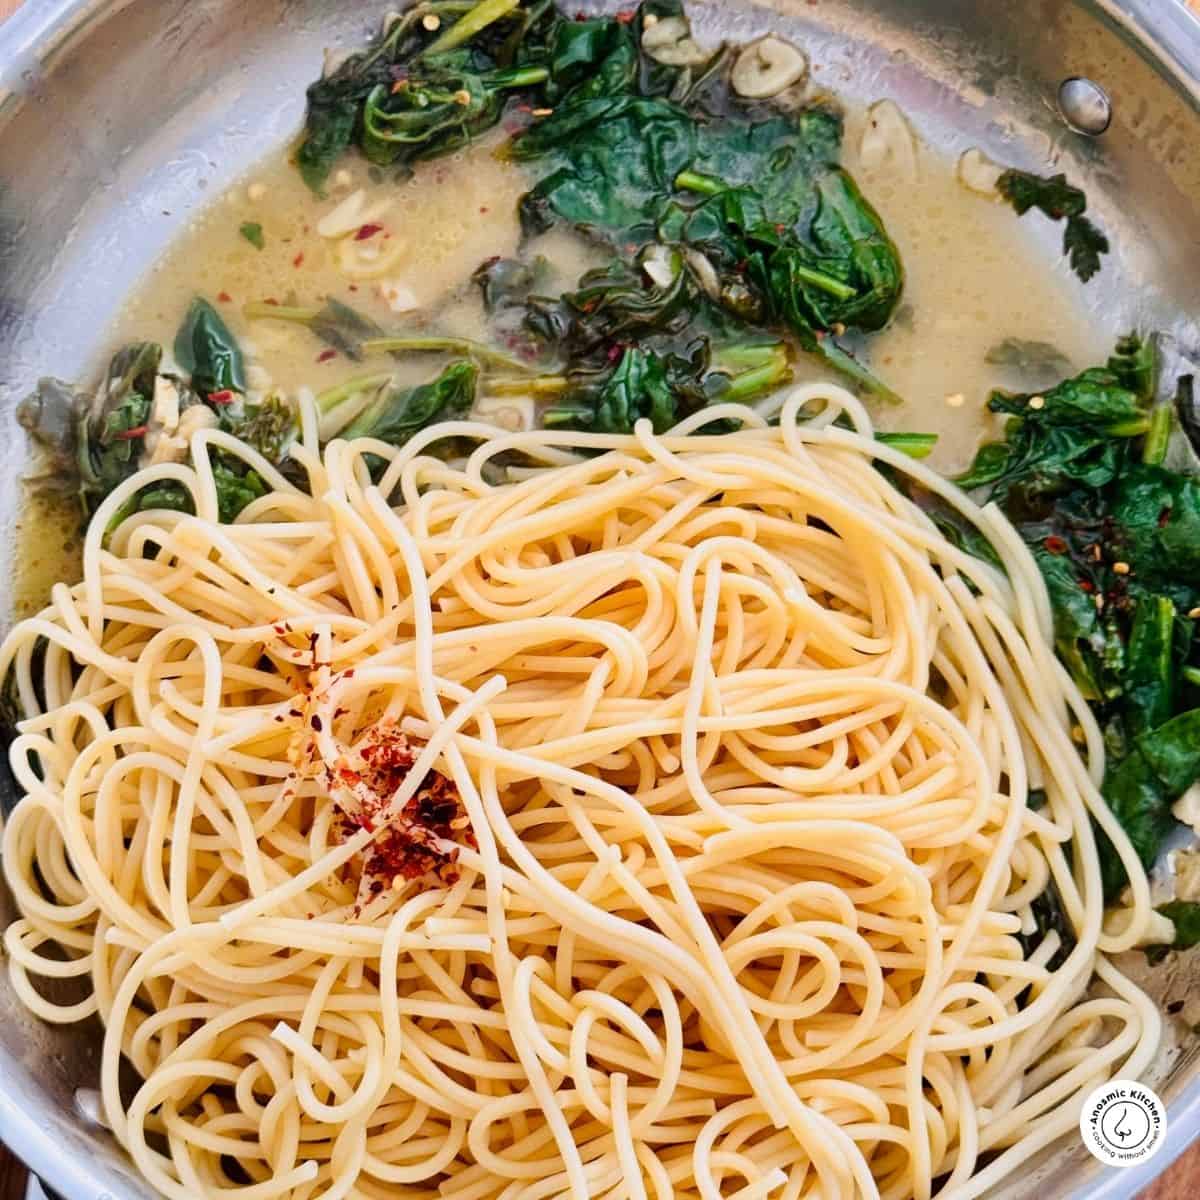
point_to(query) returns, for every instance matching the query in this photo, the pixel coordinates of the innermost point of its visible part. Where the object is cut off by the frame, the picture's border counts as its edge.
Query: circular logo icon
(1122, 1123)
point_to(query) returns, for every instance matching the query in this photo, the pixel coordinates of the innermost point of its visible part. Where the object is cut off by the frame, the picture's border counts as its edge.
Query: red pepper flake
(366, 232)
(129, 435)
(1086, 585)
(225, 397)
(326, 355)
(1055, 545)
(1164, 517)
(225, 297)
(626, 16)
(483, 208)
(298, 260)
(271, 300)
(780, 228)
(354, 287)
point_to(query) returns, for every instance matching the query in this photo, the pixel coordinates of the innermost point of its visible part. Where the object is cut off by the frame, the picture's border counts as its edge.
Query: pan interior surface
(120, 120)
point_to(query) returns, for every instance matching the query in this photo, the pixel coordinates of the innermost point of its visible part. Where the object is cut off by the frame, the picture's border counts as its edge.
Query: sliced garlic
(516, 414)
(705, 273)
(163, 448)
(164, 412)
(399, 299)
(669, 41)
(351, 214)
(977, 173)
(362, 260)
(1186, 809)
(661, 265)
(888, 142)
(1186, 865)
(767, 67)
(195, 418)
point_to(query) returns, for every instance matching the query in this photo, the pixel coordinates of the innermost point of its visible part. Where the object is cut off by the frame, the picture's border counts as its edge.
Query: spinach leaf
(1036, 364)
(418, 92)
(335, 323)
(1149, 684)
(645, 341)
(614, 160)
(50, 415)
(640, 386)
(1117, 541)
(509, 282)
(1161, 766)
(1185, 916)
(236, 487)
(1050, 917)
(109, 431)
(1083, 243)
(344, 328)
(209, 353)
(397, 413)
(269, 427)
(1156, 519)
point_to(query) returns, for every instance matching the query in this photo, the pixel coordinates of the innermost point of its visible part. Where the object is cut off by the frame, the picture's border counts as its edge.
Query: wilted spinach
(397, 413)
(1116, 536)
(207, 350)
(645, 340)
(438, 76)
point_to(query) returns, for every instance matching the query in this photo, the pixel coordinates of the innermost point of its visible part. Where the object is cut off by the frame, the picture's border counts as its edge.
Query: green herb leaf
(236, 488)
(269, 427)
(1083, 243)
(252, 231)
(1185, 916)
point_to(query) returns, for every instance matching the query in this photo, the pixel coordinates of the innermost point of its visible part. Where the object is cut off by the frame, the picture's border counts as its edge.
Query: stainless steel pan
(120, 118)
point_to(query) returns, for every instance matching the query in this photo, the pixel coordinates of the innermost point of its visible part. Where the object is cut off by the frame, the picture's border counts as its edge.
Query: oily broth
(974, 278)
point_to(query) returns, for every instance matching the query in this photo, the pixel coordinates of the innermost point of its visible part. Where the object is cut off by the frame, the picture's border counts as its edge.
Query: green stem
(747, 356)
(1154, 451)
(260, 310)
(827, 283)
(1192, 675)
(757, 380)
(543, 385)
(444, 345)
(846, 364)
(693, 181)
(518, 77)
(915, 445)
(1129, 429)
(486, 13)
(332, 397)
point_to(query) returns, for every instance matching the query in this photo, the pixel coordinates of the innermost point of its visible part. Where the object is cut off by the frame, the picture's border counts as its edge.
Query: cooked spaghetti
(654, 822)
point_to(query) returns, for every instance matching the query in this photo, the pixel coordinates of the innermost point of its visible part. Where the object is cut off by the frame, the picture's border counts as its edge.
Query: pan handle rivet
(1084, 105)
